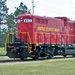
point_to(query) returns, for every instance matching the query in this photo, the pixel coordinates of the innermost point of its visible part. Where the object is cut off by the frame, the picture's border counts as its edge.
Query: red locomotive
(39, 36)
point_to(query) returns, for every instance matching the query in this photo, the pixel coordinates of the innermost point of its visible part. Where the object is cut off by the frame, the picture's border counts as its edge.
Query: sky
(50, 8)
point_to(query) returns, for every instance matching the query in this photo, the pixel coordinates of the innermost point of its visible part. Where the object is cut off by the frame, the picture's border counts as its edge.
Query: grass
(63, 67)
(2, 51)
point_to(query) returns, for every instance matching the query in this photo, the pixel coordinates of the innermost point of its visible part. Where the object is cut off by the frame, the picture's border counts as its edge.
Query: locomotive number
(27, 20)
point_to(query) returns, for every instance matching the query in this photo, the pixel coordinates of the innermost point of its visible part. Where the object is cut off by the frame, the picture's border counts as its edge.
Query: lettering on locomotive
(48, 29)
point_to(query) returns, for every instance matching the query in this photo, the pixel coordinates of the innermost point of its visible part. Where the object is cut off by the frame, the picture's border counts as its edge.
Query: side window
(43, 21)
(46, 21)
(37, 20)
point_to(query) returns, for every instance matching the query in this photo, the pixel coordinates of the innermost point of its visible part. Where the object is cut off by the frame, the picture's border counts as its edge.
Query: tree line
(8, 21)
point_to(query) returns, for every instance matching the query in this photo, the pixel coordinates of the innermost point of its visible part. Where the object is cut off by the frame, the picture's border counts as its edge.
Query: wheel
(22, 59)
(73, 55)
(65, 56)
(21, 55)
(35, 54)
(49, 53)
(24, 53)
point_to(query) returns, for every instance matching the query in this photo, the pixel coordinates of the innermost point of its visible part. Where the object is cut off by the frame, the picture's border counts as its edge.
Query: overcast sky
(52, 8)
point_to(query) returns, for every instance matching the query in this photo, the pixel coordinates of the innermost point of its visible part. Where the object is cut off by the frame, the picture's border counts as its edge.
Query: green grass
(2, 51)
(63, 67)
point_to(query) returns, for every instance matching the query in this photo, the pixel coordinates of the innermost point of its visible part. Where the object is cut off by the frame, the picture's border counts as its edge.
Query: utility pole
(33, 6)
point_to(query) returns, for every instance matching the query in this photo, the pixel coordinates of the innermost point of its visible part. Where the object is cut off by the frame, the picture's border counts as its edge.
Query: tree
(3, 16)
(11, 23)
(11, 19)
(21, 9)
(3, 13)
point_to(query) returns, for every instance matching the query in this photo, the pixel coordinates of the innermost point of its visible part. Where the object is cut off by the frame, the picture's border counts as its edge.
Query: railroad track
(31, 60)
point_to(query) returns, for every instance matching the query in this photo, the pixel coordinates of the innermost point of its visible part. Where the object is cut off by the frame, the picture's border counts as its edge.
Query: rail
(28, 36)
(38, 34)
(30, 42)
(7, 39)
(66, 36)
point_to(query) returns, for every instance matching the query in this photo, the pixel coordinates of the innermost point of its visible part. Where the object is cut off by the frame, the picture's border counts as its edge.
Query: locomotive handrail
(28, 35)
(7, 39)
(29, 45)
(56, 34)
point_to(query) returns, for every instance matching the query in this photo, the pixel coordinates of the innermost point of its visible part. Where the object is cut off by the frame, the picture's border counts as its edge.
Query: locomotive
(41, 36)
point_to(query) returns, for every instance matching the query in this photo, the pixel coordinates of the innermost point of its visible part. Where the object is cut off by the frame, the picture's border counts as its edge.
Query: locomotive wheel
(21, 55)
(73, 55)
(65, 56)
(49, 54)
(34, 55)
(22, 59)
